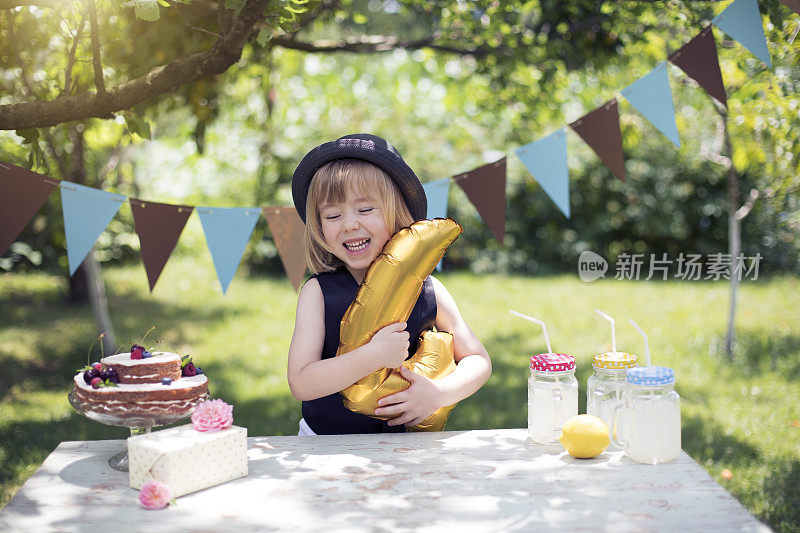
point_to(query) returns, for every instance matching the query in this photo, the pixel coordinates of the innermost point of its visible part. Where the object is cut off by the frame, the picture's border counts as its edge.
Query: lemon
(584, 436)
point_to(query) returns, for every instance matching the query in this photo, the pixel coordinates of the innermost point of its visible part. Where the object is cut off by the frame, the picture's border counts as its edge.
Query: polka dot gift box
(188, 460)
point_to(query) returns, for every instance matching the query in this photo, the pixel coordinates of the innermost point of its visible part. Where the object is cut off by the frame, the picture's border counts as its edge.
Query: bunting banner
(600, 130)
(794, 5)
(546, 160)
(227, 231)
(158, 226)
(87, 211)
(437, 193)
(652, 97)
(486, 188)
(287, 230)
(698, 59)
(742, 21)
(24, 193)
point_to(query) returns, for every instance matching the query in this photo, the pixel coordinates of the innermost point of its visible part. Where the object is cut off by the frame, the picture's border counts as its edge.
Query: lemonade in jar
(605, 386)
(552, 395)
(648, 419)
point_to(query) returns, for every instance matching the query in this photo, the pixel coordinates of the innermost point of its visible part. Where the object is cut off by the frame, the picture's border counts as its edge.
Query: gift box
(188, 460)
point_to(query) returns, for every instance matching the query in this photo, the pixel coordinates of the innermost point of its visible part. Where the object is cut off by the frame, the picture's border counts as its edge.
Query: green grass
(736, 416)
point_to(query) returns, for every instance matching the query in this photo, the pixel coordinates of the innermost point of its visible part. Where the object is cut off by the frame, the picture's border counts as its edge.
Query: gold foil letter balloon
(387, 295)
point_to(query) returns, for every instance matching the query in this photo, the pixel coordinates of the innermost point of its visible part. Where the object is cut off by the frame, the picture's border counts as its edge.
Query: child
(354, 194)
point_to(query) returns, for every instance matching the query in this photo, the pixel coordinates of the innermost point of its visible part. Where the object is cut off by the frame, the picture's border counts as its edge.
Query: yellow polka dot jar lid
(614, 360)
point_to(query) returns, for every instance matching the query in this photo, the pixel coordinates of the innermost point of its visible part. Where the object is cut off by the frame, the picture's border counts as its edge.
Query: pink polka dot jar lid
(552, 362)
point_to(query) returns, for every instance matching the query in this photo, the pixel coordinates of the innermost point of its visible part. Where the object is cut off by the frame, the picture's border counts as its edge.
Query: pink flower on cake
(155, 495)
(212, 415)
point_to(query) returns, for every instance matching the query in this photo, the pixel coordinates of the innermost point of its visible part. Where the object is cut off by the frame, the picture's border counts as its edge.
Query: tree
(189, 45)
(129, 61)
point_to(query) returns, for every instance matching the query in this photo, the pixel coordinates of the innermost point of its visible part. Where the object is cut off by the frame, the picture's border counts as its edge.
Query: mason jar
(604, 387)
(648, 419)
(552, 395)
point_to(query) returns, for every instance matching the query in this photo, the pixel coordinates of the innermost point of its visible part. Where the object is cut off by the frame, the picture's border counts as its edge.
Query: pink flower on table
(212, 415)
(155, 495)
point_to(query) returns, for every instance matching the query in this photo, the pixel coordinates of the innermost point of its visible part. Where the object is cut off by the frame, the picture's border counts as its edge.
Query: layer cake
(150, 386)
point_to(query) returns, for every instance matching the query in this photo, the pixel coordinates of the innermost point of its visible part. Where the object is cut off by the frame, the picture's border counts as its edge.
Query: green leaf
(28, 135)
(359, 18)
(234, 4)
(264, 36)
(296, 10)
(146, 9)
(147, 132)
(138, 126)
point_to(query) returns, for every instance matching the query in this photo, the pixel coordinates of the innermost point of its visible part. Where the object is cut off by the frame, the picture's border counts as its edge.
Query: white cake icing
(183, 383)
(125, 359)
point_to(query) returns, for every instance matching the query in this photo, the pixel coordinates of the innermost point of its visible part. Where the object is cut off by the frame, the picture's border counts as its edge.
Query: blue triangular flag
(652, 96)
(227, 231)
(437, 193)
(546, 159)
(742, 21)
(87, 212)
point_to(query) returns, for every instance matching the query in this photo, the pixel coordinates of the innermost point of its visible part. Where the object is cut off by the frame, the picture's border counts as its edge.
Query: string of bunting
(87, 211)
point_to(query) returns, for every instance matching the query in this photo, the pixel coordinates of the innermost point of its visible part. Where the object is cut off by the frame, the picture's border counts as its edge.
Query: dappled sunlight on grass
(736, 416)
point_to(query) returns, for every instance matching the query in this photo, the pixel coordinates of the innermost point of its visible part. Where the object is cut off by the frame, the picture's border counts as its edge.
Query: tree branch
(71, 61)
(223, 53)
(374, 43)
(96, 61)
(715, 153)
(186, 21)
(748, 205)
(11, 4)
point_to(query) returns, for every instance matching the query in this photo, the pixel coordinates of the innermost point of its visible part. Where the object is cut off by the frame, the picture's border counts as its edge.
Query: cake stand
(139, 420)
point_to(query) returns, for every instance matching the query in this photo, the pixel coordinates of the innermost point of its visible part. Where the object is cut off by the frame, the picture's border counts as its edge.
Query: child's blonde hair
(331, 184)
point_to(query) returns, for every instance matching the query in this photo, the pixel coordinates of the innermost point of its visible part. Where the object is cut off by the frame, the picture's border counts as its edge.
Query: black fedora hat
(370, 148)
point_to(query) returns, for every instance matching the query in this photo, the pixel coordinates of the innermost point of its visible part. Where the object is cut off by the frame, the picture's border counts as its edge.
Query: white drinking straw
(613, 331)
(546, 337)
(646, 347)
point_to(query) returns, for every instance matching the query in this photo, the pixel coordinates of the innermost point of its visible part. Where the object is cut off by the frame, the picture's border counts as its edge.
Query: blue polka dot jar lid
(650, 375)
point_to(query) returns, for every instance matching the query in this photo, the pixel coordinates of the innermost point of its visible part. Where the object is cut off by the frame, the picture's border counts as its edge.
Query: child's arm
(425, 395)
(311, 377)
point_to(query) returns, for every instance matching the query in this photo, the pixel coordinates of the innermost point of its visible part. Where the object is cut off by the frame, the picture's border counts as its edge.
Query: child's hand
(414, 404)
(391, 345)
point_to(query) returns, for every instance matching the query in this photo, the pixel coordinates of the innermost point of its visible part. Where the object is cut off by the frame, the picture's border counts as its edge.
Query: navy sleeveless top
(328, 415)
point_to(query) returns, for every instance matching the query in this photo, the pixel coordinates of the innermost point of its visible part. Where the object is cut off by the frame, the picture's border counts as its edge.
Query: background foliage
(519, 70)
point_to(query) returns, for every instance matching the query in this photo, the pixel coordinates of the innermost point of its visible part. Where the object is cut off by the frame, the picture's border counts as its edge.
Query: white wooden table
(458, 481)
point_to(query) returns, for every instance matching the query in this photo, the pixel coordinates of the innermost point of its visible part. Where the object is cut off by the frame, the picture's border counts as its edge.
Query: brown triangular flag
(486, 188)
(287, 230)
(23, 193)
(159, 226)
(794, 5)
(600, 130)
(698, 58)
